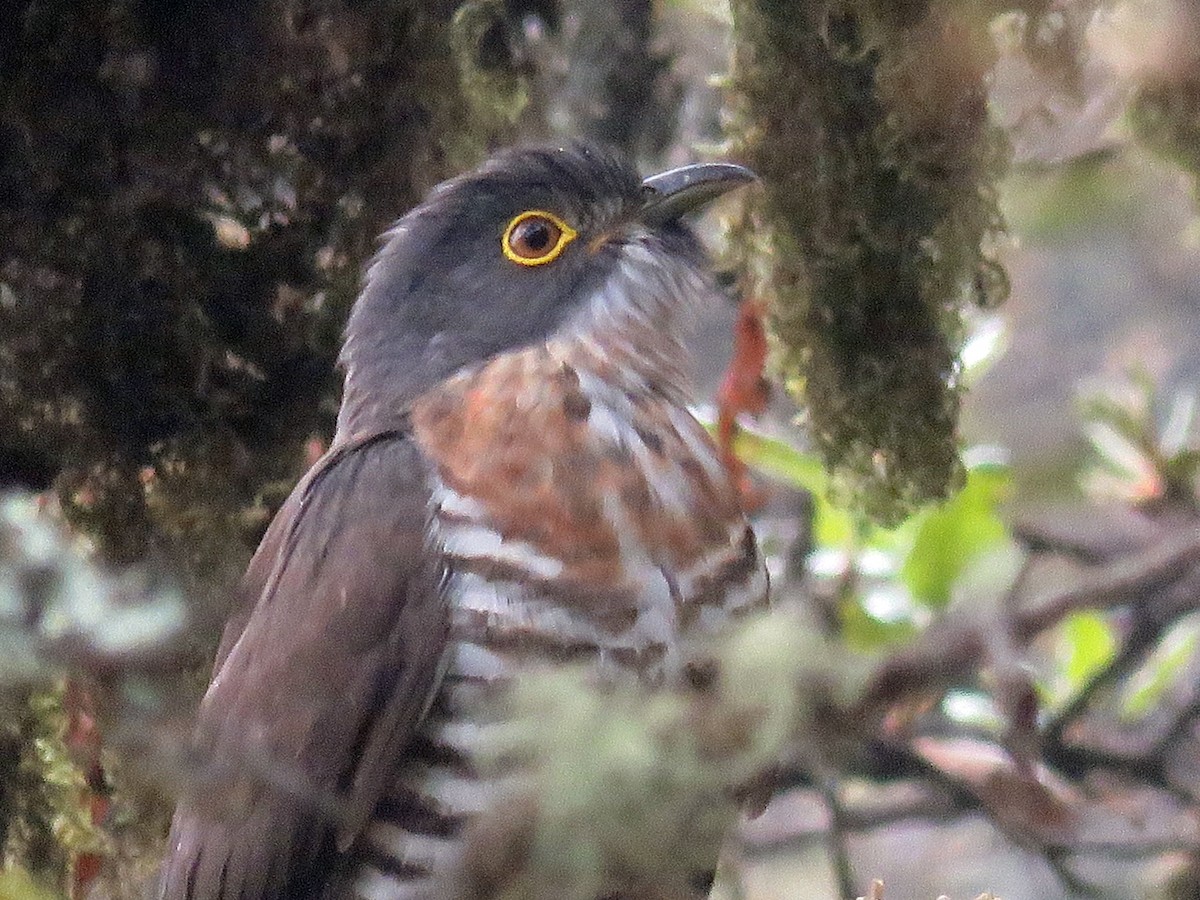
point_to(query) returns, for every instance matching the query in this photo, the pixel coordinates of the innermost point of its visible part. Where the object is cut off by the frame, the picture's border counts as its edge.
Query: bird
(515, 480)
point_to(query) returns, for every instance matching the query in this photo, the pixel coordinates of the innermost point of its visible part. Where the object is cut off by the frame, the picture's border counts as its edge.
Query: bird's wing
(320, 686)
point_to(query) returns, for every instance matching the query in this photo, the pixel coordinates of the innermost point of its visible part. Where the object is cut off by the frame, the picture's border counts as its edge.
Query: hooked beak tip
(672, 194)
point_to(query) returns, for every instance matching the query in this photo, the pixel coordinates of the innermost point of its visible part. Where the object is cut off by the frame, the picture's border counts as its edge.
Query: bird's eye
(536, 237)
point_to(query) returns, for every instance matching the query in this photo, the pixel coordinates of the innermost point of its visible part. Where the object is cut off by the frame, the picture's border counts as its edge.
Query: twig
(1056, 857)
(839, 854)
(1012, 597)
(1179, 727)
(1117, 584)
(1127, 850)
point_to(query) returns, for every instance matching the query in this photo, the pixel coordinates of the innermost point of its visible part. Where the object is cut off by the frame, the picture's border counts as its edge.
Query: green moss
(44, 814)
(18, 884)
(868, 124)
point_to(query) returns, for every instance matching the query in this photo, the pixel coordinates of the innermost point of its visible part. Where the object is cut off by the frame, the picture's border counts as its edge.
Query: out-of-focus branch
(1124, 582)
(1163, 582)
(836, 839)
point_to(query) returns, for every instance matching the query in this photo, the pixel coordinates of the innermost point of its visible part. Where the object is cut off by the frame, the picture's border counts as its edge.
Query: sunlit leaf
(890, 603)
(863, 631)
(1161, 671)
(1089, 643)
(973, 708)
(951, 535)
(1178, 430)
(833, 527)
(1118, 450)
(1137, 458)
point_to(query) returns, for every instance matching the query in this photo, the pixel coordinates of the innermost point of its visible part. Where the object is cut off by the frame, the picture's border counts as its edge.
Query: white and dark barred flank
(413, 837)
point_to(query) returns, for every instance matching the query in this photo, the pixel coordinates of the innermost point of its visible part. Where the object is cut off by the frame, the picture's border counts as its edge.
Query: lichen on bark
(187, 200)
(484, 40)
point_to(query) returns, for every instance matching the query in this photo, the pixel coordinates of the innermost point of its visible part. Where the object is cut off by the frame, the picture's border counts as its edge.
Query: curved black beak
(679, 191)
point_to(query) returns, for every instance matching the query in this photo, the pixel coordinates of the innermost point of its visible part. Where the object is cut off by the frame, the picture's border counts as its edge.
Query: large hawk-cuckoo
(515, 478)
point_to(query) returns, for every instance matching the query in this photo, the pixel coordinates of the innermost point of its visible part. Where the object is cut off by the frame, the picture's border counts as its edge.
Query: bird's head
(536, 244)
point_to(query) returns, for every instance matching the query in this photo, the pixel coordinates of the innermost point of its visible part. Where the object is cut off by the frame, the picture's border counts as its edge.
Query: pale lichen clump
(620, 788)
(868, 123)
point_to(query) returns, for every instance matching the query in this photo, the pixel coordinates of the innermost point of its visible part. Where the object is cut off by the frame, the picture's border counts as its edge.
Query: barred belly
(500, 627)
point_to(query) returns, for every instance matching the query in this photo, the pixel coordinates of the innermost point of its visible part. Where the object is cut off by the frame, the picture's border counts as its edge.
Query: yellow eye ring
(536, 237)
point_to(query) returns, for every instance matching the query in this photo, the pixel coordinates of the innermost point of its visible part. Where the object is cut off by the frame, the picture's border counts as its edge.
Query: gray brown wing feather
(320, 685)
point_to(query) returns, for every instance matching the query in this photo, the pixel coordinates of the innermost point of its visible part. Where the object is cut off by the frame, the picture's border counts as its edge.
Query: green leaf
(950, 536)
(1177, 431)
(833, 527)
(1161, 670)
(863, 631)
(1181, 468)
(780, 460)
(1089, 644)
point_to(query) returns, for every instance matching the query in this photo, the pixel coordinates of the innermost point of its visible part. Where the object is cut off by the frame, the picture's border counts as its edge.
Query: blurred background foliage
(982, 521)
